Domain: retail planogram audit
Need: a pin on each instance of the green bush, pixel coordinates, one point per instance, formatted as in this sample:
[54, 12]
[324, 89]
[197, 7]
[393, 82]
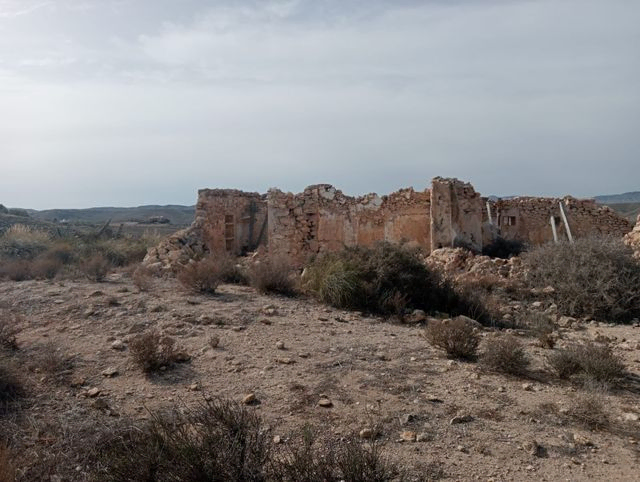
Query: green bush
[595, 277]
[387, 278]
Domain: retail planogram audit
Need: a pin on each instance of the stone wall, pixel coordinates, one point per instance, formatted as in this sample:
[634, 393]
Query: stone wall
[529, 218]
[456, 215]
[323, 219]
[232, 220]
[633, 238]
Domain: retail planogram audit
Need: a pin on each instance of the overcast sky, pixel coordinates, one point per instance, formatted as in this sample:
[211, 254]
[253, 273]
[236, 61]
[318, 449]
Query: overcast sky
[128, 102]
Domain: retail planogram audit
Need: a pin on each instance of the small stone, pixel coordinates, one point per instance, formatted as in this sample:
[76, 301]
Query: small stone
[422, 437]
[366, 433]
[264, 321]
[462, 448]
[277, 439]
[77, 381]
[238, 328]
[325, 403]
[118, 345]
[93, 392]
[530, 468]
[533, 448]
[100, 404]
[527, 387]
[280, 345]
[461, 419]
[110, 372]
[630, 417]
[502, 389]
[580, 439]
[194, 387]
[408, 436]
[407, 419]
[249, 399]
[285, 361]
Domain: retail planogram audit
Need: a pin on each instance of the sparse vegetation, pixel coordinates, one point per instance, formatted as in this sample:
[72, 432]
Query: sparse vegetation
[273, 275]
[219, 440]
[541, 327]
[504, 248]
[505, 354]
[588, 410]
[457, 337]
[151, 351]
[201, 276]
[12, 389]
[387, 279]
[142, 278]
[595, 277]
[9, 329]
[96, 268]
[588, 363]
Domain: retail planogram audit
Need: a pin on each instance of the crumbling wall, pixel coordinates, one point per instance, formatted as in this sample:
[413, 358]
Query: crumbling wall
[231, 220]
[633, 238]
[529, 218]
[323, 219]
[456, 215]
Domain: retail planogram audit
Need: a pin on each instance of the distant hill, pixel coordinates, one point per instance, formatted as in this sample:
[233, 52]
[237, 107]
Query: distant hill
[177, 215]
[626, 198]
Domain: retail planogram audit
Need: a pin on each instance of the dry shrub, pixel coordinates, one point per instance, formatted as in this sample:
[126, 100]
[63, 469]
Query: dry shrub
[457, 337]
[12, 389]
[595, 277]
[273, 275]
[44, 267]
[16, 270]
[96, 267]
[505, 354]
[7, 469]
[201, 276]
[542, 328]
[151, 351]
[50, 359]
[142, 278]
[310, 458]
[386, 278]
[230, 270]
[588, 410]
[219, 440]
[587, 362]
[23, 242]
[504, 248]
[9, 329]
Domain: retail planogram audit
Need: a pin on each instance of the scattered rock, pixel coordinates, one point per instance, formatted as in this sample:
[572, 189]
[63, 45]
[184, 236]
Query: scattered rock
[280, 345]
[276, 439]
[249, 399]
[527, 387]
[325, 403]
[408, 436]
[407, 419]
[461, 419]
[533, 448]
[194, 387]
[366, 433]
[214, 341]
[423, 437]
[93, 392]
[110, 372]
[630, 417]
[118, 345]
[285, 361]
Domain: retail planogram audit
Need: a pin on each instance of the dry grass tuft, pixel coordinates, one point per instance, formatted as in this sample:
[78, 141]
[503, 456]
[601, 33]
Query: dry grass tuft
[457, 337]
[505, 354]
[152, 351]
[590, 363]
[273, 275]
[201, 276]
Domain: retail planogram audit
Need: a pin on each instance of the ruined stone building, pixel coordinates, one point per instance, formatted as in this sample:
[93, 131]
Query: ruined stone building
[322, 218]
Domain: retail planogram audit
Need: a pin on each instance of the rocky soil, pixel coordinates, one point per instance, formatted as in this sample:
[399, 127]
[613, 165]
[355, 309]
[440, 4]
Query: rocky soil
[301, 362]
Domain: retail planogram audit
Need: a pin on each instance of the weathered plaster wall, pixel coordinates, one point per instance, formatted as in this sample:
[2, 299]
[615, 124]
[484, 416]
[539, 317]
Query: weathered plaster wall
[456, 215]
[323, 219]
[529, 218]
